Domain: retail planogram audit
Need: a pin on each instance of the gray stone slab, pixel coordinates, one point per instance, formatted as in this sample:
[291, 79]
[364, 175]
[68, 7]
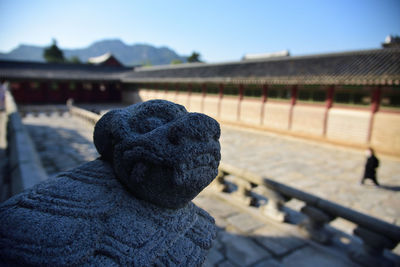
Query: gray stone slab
[244, 222]
[213, 257]
[227, 264]
[277, 241]
[215, 206]
[268, 263]
[309, 256]
[242, 251]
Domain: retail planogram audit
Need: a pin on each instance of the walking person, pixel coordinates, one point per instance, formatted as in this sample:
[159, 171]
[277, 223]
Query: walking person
[370, 167]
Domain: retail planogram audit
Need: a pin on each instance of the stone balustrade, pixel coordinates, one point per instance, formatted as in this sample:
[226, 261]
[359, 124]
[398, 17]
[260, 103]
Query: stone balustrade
[84, 114]
[36, 110]
[24, 168]
[376, 235]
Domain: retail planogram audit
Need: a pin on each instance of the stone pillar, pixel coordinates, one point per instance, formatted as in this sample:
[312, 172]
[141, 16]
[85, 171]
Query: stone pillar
[219, 182]
[243, 192]
[274, 207]
[371, 253]
[313, 226]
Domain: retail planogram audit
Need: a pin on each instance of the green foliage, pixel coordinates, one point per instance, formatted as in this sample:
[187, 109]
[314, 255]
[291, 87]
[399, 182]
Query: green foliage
[75, 60]
[194, 57]
[176, 61]
[53, 53]
[147, 63]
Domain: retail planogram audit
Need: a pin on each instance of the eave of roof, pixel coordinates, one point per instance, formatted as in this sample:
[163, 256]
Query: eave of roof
[379, 66]
[53, 71]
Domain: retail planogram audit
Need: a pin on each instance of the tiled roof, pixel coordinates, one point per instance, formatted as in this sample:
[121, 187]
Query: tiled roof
[380, 66]
[53, 71]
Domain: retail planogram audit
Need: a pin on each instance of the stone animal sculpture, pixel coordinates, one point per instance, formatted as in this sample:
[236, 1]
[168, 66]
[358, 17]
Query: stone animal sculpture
[130, 207]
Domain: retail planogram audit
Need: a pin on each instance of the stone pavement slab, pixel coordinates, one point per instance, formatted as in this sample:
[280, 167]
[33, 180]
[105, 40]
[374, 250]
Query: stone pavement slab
[271, 244]
[309, 256]
[62, 142]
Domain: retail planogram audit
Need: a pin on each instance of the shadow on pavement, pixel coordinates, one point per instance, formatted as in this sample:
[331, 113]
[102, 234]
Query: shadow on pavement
[394, 188]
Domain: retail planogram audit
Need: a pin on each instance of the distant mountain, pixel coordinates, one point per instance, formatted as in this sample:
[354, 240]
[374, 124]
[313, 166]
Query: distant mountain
[128, 55]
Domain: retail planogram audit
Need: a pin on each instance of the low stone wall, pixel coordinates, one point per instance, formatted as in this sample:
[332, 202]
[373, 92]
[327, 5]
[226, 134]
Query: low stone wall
[24, 166]
[338, 125]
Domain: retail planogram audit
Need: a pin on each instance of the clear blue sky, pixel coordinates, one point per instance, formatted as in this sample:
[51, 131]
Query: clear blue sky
[220, 30]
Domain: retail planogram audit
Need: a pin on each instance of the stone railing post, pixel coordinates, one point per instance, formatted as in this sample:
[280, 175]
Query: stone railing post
[313, 226]
[371, 253]
[219, 183]
[243, 192]
[274, 207]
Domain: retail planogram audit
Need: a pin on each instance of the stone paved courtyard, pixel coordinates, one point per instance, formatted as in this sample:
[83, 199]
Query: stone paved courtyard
[62, 142]
[326, 171]
[245, 239]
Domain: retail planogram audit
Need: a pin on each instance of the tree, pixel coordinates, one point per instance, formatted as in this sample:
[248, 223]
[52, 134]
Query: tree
[75, 60]
[176, 61]
[53, 53]
[194, 57]
[147, 63]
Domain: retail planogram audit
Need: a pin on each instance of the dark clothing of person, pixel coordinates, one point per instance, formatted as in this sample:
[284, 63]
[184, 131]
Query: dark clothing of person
[370, 169]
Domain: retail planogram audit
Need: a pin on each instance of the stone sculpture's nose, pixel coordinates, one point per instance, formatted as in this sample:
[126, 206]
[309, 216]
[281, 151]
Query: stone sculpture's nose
[196, 127]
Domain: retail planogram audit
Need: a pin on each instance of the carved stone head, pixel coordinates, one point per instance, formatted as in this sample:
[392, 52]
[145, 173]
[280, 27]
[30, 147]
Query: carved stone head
[162, 153]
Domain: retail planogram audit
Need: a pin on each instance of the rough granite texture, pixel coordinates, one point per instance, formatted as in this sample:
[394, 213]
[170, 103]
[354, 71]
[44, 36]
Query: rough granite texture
[131, 207]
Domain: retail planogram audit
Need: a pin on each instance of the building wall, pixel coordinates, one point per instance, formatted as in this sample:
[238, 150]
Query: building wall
[276, 115]
[229, 107]
[350, 126]
[183, 99]
[196, 101]
[344, 125]
[210, 106]
[250, 111]
[386, 132]
[130, 97]
[308, 119]
[143, 94]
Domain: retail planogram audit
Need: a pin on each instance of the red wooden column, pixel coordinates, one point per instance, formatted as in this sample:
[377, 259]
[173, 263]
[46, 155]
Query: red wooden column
[292, 104]
[221, 95]
[204, 93]
[264, 99]
[375, 104]
[328, 104]
[241, 92]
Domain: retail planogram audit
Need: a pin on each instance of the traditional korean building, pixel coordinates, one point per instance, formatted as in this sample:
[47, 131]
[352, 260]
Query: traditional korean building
[105, 60]
[350, 98]
[43, 83]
